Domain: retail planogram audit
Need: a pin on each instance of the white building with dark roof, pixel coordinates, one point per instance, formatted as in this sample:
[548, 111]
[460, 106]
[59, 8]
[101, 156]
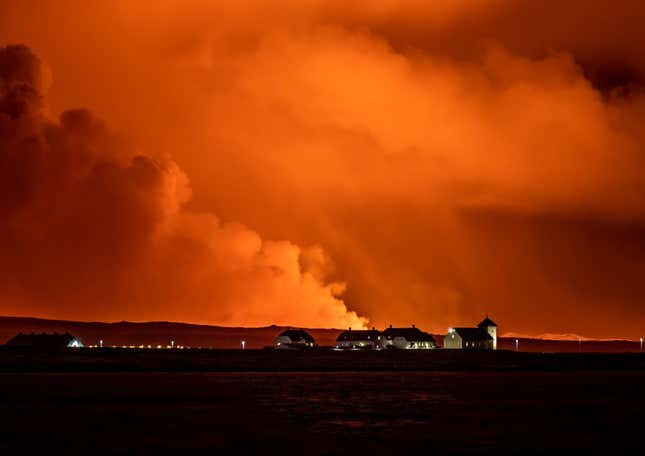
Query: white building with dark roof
[408, 338]
[367, 340]
[483, 337]
[491, 328]
[294, 339]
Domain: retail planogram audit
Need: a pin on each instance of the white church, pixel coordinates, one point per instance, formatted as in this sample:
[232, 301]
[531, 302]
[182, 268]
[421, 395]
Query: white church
[483, 337]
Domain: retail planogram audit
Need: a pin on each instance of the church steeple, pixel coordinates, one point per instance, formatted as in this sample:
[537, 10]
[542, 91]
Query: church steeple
[491, 328]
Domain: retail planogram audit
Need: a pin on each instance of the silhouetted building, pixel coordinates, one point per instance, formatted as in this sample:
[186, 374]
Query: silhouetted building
[45, 340]
[491, 328]
[369, 339]
[483, 337]
[408, 338]
[294, 338]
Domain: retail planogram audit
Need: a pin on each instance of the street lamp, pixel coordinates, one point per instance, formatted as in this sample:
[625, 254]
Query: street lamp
[243, 345]
[641, 345]
[517, 345]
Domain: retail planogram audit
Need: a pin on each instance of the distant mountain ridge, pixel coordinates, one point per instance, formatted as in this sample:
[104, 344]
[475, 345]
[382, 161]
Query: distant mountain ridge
[206, 336]
[561, 337]
[156, 332]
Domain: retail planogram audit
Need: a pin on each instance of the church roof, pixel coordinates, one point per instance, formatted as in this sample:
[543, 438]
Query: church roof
[473, 334]
[486, 322]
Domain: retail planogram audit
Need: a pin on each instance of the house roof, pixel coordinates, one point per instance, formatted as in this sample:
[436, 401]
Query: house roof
[473, 334]
[410, 334]
[486, 322]
[297, 335]
[43, 340]
[358, 335]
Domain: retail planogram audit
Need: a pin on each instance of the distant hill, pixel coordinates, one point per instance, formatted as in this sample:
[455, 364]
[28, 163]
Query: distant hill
[205, 336]
[156, 333]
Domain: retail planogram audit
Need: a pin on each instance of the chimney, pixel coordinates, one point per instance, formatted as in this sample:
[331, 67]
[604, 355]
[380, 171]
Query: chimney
[413, 325]
[390, 326]
[350, 328]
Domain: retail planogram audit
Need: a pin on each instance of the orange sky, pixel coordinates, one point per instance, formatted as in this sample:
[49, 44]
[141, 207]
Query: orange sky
[318, 164]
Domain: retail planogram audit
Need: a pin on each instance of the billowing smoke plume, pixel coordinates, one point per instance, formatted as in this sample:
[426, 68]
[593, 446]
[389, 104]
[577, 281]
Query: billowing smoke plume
[93, 231]
[453, 158]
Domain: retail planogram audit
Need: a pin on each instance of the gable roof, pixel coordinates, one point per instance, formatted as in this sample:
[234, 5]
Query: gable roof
[473, 334]
[350, 335]
[43, 340]
[486, 322]
[296, 335]
[410, 334]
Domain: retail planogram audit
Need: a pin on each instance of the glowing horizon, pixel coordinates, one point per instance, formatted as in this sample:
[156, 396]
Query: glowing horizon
[316, 164]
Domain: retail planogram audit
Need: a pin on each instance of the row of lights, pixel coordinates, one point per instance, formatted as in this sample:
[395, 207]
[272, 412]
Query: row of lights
[156, 347]
[243, 343]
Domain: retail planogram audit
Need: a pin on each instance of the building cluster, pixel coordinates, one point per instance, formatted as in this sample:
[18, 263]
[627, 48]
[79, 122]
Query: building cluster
[482, 337]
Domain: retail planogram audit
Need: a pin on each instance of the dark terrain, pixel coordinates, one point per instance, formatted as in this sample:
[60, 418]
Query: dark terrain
[478, 412]
[14, 359]
[155, 333]
[318, 401]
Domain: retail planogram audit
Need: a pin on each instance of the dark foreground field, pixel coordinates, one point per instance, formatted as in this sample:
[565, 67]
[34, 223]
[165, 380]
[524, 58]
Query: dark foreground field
[319, 360]
[444, 412]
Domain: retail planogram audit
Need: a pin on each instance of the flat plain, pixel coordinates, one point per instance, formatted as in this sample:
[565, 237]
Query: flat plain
[371, 412]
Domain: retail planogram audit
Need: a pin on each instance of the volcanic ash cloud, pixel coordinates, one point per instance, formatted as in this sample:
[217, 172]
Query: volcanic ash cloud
[90, 230]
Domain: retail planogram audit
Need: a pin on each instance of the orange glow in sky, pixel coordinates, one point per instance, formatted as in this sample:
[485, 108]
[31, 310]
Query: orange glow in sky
[311, 163]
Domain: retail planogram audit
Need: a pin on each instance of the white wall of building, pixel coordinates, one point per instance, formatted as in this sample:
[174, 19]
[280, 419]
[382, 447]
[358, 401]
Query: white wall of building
[452, 340]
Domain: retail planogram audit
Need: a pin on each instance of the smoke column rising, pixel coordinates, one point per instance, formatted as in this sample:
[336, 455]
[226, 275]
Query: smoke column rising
[96, 232]
[451, 158]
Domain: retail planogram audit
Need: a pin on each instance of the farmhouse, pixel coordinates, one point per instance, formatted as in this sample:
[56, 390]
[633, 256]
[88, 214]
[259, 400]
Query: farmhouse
[45, 341]
[370, 339]
[483, 337]
[294, 338]
[408, 338]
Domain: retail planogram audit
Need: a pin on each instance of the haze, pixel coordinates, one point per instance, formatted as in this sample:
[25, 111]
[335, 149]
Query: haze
[315, 164]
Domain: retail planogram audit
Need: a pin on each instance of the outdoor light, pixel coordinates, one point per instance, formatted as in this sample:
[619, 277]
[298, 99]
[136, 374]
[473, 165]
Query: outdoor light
[243, 345]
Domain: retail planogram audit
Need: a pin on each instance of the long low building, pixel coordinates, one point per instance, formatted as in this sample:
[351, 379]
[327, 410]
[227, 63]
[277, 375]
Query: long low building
[397, 338]
[408, 338]
[361, 339]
